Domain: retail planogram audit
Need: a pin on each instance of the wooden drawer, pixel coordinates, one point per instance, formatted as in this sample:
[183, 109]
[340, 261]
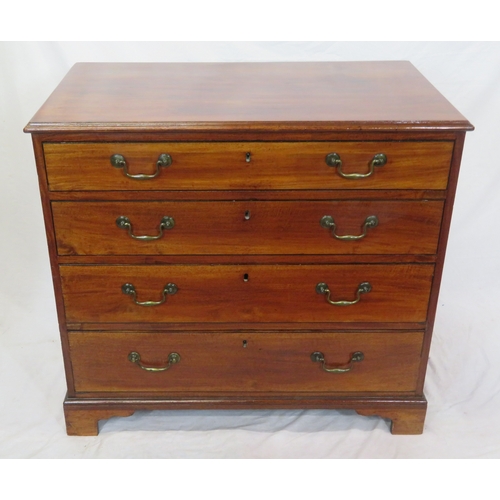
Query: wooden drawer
[246, 293]
[246, 227]
[224, 165]
[245, 362]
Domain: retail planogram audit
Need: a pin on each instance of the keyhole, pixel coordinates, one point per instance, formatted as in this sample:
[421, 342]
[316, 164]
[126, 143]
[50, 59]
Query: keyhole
[247, 215]
[248, 157]
[245, 277]
[244, 343]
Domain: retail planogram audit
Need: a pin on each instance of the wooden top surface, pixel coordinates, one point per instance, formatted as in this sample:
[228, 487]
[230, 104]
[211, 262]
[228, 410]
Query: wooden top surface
[332, 96]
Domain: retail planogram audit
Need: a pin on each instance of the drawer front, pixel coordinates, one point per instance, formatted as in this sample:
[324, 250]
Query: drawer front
[246, 293]
[224, 166]
[241, 362]
[246, 227]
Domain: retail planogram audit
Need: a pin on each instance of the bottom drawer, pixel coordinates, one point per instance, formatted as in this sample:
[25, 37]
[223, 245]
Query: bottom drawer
[245, 362]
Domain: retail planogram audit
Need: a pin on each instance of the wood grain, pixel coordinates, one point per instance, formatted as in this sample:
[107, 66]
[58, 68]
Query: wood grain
[270, 362]
[273, 293]
[248, 259]
[84, 422]
[443, 240]
[246, 228]
[290, 195]
[88, 408]
[222, 96]
[54, 267]
[290, 327]
[223, 166]
[404, 421]
[282, 132]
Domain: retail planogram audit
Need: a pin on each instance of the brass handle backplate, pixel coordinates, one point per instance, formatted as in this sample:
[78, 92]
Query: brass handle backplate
[328, 223]
[173, 358]
[123, 222]
[318, 357]
[129, 289]
[322, 288]
[333, 160]
[119, 161]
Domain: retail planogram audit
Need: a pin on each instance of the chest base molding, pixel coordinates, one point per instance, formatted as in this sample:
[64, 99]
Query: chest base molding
[406, 414]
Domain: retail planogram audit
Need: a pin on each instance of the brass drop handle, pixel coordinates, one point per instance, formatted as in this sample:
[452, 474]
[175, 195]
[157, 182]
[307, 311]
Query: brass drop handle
[319, 357]
[328, 223]
[129, 289]
[333, 160]
[123, 222]
[173, 358]
[322, 288]
[119, 161]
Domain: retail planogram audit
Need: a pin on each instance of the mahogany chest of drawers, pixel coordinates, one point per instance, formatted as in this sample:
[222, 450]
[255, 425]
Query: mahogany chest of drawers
[250, 235]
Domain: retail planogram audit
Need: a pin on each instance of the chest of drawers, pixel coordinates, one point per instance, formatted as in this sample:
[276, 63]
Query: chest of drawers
[246, 235]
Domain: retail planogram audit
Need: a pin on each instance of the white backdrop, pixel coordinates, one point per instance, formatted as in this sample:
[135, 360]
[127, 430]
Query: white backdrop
[463, 380]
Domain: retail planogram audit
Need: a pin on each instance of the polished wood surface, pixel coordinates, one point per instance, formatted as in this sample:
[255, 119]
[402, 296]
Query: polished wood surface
[223, 166]
[247, 259]
[404, 421]
[84, 412]
[443, 241]
[262, 195]
[272, 293]
[245, 362]
[82, 422]
[248, 278]
[246, 227]
[330, 95]
[52, 251]
[240, 133]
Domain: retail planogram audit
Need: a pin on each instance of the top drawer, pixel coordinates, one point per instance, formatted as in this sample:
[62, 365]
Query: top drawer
[246, 165]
